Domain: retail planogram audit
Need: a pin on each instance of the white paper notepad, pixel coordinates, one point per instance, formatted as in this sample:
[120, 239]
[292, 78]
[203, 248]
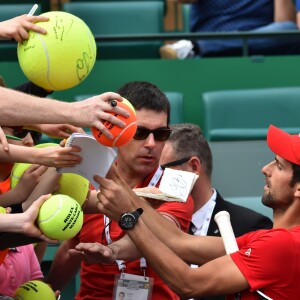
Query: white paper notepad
[175, 185]
[96, 158]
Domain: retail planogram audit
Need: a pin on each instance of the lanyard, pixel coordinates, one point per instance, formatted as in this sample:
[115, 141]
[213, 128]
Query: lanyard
[121, 264]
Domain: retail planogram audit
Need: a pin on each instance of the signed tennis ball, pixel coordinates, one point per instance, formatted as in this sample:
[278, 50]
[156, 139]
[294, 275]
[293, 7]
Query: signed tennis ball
[60, 217]
[63, 57]
[121, 136]
[34, 290]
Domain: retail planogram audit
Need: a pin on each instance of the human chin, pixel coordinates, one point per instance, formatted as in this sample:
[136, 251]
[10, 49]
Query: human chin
[148, 166]
[267, 199]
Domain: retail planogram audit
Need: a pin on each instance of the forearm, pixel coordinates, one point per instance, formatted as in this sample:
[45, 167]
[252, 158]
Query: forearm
[11, 197]
[90, 206]
[173, 271]
[47, 185]
[11, 223]
[46, 111]
[18, 153]
[125, 249]
[200, 251]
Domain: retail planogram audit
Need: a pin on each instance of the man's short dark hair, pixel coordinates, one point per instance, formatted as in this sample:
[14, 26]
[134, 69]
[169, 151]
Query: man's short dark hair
[145, 95]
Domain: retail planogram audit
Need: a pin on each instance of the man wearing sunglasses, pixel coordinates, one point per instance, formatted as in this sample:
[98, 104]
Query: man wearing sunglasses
[138, 164]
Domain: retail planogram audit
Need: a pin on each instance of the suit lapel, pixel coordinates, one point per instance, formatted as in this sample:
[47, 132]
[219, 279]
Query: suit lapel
[213, 229]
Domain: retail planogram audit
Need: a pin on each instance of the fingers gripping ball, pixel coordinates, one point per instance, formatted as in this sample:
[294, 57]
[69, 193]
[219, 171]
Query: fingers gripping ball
[121, 136]
[34, 290]
[60, 217]
[63, 57]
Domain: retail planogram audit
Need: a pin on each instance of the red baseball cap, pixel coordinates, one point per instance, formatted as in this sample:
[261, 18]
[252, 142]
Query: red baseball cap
[284, 144]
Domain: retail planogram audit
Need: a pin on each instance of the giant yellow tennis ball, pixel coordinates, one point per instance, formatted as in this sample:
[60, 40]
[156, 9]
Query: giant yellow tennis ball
[60, 217]
[34, 290]
[70, 184]
[121, 136]
[63, 57]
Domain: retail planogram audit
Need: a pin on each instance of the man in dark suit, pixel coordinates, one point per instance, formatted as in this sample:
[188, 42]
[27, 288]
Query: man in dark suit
[188, 150]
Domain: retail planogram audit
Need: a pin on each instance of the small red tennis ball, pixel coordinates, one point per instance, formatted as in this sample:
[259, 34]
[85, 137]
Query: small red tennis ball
[121, 136]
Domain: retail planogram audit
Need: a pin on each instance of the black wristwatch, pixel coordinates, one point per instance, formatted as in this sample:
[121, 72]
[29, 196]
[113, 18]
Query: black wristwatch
[129, 219]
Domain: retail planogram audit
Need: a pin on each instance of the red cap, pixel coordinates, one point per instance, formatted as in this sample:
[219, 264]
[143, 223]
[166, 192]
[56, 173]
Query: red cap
[284, 144]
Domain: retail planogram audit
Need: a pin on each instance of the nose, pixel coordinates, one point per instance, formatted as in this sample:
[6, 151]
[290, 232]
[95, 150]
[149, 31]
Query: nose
[266, 170]
[28, 141]
[150, 141]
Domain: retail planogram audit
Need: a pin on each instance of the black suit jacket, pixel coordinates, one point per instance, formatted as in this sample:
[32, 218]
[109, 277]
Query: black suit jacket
[242, 219]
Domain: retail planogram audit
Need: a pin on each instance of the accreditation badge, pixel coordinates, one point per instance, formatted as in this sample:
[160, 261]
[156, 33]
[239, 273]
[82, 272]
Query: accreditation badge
[132, 287]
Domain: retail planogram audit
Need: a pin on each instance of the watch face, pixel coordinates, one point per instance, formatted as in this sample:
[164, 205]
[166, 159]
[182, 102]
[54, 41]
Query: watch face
[127, 221]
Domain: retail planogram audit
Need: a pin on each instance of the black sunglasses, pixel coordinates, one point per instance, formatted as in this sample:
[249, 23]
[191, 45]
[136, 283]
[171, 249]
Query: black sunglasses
[35, 135]
[175, 163]
[160, 134]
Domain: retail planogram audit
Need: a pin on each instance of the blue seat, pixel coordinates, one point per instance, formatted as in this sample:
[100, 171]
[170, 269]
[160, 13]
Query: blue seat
[235, 122]
[122, 18]
[176, 103]
[185, 14]
[246, 114]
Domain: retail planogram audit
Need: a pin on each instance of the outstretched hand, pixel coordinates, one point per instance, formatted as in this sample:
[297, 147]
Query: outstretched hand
[93, 111]
[93, 253]
[28, 218]
[56, 156]
[62, 131]
[18, 27]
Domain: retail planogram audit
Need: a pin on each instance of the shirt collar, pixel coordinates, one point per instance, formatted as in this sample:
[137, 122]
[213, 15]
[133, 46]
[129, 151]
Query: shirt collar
[199, 215]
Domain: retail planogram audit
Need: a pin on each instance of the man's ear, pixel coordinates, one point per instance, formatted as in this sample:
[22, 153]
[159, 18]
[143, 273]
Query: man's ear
[195, 165]
[297, 192]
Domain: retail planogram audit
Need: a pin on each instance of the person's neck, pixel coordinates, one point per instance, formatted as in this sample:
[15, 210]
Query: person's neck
[201, 193]
[287, 219]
